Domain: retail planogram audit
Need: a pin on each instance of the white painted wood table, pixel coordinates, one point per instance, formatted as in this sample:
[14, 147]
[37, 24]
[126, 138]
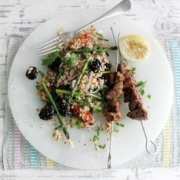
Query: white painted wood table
[21, 17]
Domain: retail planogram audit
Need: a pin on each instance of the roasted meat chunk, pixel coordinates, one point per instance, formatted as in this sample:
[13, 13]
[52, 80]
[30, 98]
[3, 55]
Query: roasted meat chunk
[118, 77]
[112, 94]
[113, 105]
[129, 83]
[128, 74]
[138, 114]
[118, 86]
[113, 116]
[131, 94]
[122, 67]
[136, 104]
[111, 78]
[115, 78]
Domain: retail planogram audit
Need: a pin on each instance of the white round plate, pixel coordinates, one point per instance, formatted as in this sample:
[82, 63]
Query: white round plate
[130, 140]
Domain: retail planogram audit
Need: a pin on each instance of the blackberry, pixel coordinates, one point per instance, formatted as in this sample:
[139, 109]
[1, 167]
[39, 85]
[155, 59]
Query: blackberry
[95, 65]
[55, 64]
[64, 108]
[47, 112]
[31, 73]
[108, 66]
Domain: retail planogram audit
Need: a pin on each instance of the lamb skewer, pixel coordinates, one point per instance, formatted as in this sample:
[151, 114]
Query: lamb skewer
[126, 82]
[133, 96]
[113, 114]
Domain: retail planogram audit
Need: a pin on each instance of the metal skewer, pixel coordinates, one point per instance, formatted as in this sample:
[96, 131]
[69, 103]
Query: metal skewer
[110, 146]
[155, 148]
[111, 134]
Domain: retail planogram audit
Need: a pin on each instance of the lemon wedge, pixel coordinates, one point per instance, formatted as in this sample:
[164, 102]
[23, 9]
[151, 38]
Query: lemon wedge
[134, 48]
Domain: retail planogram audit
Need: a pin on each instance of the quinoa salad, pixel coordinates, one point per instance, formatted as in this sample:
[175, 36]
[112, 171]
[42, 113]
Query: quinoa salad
[74, 86]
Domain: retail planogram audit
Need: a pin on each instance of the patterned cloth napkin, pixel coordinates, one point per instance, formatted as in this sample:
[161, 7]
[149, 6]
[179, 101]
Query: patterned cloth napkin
[18, 153]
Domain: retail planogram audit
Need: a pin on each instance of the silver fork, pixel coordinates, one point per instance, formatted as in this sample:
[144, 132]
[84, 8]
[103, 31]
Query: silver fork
[51, 45]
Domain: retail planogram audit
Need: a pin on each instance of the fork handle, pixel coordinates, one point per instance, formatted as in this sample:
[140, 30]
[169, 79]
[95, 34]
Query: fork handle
[123, 6]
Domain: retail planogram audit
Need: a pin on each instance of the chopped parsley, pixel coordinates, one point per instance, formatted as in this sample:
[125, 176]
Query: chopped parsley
[142, 91]
[96, 138]
[116, 129]
[141, 84]
[50, 59]
[133, 69]
[41, 73]
[119, 124]
[102, 146]
[37, 85]
[71, 61]
[149, 96]
[77, 124]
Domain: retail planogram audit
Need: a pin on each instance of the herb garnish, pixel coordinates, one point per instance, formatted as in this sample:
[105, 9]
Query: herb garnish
[71, 61]
[141, 84]
[149, 96]
[50, 59]
[102, 147]
[41, 73]
[37, 85]
[96, 138]
[142, 91]
[119, 124]
[116, 129]
[133, 69]
[77, 123]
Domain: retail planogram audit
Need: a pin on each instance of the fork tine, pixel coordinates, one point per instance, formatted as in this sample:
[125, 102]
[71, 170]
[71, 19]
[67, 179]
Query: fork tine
[47, 42]
[49, 45]
[45, 50]
[48, 52]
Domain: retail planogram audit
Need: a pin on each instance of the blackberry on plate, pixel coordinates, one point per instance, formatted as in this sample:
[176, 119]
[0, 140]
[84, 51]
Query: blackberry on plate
[95, 65]
[108, 66]
[64, 108]
[47, 112]
[31, 73]
[55, 64]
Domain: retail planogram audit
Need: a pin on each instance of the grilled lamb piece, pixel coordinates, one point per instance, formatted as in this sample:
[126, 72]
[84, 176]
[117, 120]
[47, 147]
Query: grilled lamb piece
[111, 78]
[131, 94]
[128, 74]
[115, 78]
[136, 104]
[113, 105]
[112, 94]
[118, 77]
[129, 83]
[118, 86]
[122, 67]
[111, 116]
[138, 114]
